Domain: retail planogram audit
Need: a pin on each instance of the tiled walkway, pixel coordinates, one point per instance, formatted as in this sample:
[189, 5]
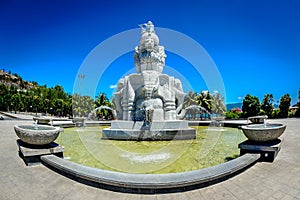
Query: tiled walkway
[277, 180]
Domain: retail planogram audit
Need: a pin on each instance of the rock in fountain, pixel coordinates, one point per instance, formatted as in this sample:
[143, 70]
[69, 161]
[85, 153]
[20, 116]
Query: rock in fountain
[148, 103]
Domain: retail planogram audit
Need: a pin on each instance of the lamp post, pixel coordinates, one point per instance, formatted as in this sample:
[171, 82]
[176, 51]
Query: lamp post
[81, 77]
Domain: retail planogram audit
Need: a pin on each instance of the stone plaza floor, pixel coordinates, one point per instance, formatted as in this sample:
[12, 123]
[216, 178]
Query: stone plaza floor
[277, 180]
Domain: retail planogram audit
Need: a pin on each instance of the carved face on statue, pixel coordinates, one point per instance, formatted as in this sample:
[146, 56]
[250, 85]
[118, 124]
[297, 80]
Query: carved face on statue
[149, 44]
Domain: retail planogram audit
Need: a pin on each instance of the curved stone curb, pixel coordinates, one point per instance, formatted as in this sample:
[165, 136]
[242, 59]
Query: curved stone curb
[119, 181]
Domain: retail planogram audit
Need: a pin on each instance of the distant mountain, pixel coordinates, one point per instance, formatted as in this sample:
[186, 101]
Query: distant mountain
[229, 106]
[9, 79]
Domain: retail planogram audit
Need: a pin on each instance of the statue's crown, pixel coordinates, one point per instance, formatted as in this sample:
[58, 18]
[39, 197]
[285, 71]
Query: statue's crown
[147, 27]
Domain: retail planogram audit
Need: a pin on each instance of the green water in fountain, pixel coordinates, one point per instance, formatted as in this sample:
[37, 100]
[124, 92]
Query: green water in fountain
[212, 146]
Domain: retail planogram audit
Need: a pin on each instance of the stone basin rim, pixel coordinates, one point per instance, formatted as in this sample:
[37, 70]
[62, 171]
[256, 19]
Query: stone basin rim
[44, 134]
[149, 183]
[258, 116]
[262, 128]
[51, 128]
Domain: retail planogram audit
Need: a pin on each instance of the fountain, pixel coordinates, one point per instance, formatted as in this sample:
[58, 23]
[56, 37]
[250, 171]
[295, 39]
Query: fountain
[42, 120]
[93, 114]
[258, 119]
[37, 134]
[262, 137]
[194, 112]
[263, 132]
[146, 102]
[37, 140]
[148, 107]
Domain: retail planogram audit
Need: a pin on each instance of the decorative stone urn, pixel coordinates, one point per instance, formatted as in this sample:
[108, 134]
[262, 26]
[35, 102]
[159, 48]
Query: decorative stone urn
[263, 132]
[37, 134]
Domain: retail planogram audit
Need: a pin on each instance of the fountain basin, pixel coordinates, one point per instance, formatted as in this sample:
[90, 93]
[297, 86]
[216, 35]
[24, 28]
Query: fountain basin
[258, 119]
[37, 135]
[263, 133]
[42, 120]
[157, 130]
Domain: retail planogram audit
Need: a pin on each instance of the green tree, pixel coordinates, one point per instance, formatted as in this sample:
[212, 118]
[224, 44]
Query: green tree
[58, 107]
[4, 97]
[102, 100]
[205, 100]
[218, 106]
[297, 114]
[285, 103]
[190, 99]
[24, 101]
[68, 106]
[59, 92]
[82, 105]
[267, 104]
[251, 105]
[16, 102]
[36, 103]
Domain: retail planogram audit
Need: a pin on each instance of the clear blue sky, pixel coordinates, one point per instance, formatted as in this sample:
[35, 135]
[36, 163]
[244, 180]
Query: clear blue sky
[255, 44]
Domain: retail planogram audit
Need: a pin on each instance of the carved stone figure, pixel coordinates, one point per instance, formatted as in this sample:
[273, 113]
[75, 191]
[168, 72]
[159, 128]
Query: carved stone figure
[149, 103]
[149, 85]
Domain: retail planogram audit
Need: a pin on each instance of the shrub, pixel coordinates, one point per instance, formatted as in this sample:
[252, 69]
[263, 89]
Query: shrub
[234, 113]
[231, 115]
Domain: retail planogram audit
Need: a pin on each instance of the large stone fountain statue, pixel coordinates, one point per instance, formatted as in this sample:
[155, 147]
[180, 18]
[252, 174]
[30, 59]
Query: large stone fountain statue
[148, 103]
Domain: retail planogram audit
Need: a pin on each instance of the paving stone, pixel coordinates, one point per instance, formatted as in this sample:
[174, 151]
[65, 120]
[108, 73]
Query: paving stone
[149, 197]
[288, 197]
[194, 194]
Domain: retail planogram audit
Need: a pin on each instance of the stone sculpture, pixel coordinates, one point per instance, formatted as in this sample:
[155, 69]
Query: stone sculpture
[148, 103]
[149, 88]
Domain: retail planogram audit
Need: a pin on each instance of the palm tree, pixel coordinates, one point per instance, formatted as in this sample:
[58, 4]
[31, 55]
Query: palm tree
[102, 100]
[82, 105]
[205, 100]
[190, 99]
[218, 106]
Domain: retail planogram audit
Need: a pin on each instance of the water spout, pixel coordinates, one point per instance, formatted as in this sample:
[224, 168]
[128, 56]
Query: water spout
[35, 125]
[265, 123]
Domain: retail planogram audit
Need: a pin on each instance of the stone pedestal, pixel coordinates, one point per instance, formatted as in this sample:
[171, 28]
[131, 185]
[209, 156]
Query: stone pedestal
[268, 150]
[31, 153]
[157, 130]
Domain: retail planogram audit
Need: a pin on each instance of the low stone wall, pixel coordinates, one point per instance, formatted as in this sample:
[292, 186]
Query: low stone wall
[149, 183]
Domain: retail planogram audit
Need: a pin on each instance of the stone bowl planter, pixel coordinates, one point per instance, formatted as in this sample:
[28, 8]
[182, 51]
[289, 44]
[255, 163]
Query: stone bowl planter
[258, 119]
[263, 133]
[37, 135]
